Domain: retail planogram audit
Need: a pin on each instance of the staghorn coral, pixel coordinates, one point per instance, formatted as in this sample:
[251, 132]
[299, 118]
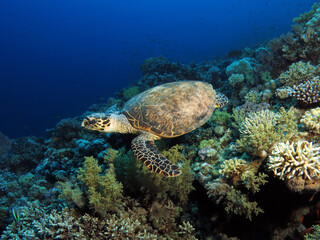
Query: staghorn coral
[103, 191]
[186, 230]
[312, 120]
[295, 159]
[307, 92]
[34, 222]
[263, 129]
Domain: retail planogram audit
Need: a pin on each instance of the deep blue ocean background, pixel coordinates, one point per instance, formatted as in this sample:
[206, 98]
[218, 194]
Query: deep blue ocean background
[59, 57]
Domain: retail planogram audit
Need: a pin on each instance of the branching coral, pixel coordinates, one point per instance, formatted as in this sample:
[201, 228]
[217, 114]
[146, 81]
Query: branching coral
[36, 223]
[239, 204]
[308, 92]
[104, 192]
[298, 73]
[242, 172]
[295, 159]
[234, 200]
[312, 120]
[263, 129]
[236, 174]
[233, 168]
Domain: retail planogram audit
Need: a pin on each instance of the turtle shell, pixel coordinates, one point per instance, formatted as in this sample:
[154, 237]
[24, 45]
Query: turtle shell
[172, 109]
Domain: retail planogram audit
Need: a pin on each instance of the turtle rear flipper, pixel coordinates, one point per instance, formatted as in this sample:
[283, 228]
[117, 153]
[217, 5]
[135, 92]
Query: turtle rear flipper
[144, 149]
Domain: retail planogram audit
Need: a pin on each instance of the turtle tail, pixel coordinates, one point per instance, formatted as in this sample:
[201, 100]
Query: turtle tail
[144, 149]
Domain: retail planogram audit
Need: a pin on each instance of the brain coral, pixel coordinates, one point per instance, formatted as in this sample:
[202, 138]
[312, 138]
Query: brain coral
[312, 120]
[295, 159]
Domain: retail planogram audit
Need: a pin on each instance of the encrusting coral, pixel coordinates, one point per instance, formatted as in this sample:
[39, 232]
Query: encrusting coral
[295, 159]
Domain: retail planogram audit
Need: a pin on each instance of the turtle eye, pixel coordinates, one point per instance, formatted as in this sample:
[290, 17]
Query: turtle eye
[92, 121]
[106, 122]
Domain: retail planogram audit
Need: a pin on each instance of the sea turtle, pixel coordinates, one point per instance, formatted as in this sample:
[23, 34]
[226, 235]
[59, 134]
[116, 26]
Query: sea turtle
[165, 111]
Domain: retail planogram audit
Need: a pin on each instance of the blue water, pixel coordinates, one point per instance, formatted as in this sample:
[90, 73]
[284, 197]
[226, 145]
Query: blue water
[59, 57]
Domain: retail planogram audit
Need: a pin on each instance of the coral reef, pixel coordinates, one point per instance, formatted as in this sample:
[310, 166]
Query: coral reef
[308, 92]
[5, 144]
[103, 191]
[299, 159]
[262, 148]
[261, 130]
[312, 120]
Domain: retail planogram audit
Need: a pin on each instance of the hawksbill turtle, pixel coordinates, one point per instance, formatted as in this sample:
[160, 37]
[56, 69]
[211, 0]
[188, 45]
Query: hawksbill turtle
[165, 111]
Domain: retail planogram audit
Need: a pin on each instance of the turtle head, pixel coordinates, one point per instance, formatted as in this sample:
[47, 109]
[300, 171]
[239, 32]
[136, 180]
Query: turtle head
[101, 122]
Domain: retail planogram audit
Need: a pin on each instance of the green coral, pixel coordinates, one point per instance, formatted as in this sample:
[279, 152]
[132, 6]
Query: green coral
[241, 172]
[239, 204]
[110, 156]
[130, 92]
[37, 223]
[314, 234]
[266, 77]
[154, 186]
[239, 115]
[307, 16]
[263, 129]
[252, 96]
[103, 191]
[71, 193]
[236, 79]
[220, 117]
[233, 168]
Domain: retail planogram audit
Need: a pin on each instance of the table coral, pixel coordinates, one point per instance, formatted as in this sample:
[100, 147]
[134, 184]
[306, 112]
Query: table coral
[295, 159]
[312, 120]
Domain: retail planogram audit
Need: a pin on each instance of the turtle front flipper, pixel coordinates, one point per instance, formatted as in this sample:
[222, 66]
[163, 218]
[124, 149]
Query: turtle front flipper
[144, 149]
